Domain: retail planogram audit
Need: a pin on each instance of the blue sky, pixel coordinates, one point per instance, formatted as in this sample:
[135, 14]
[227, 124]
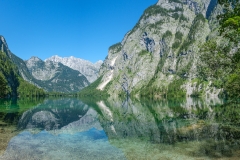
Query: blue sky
[80, 28]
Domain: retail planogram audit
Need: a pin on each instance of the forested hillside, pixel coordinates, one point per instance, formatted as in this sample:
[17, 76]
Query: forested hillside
[11, 84]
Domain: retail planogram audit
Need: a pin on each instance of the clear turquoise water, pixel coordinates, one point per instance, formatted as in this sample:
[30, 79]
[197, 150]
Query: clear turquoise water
[70, 128]
[91, 144]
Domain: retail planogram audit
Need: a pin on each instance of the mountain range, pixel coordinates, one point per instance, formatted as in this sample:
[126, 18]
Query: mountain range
[87, 68]
[54, 74]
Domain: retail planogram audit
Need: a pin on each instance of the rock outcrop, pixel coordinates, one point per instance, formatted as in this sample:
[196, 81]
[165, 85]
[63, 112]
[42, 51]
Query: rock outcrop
[54, 76]
[161, 48]
[87, 68]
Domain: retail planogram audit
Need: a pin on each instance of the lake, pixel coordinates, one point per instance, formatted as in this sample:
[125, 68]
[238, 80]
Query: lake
[71, 128]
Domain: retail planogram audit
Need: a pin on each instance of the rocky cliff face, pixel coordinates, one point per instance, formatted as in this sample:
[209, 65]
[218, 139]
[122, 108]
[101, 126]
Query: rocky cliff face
[3, 45]
[161, 48]
[54, 76]
[88, 69]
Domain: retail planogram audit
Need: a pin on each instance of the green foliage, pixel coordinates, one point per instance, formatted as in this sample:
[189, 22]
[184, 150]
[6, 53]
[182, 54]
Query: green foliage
[232, 86]
[185, 69]
[10, 82]
[144, 52]
[217, 83]
[92, 90]
[60, 94]
[178, 40]
[214, 61]
[116, 47]
[167, 34]
[175, 16]
[178, 9]
[176, 1]
[175, 90]
[9, 75]
[182, 18]
[221, 66]
[26, 89]
[4, 88]
[191, 38]
[154, 10]
[228, 113]
[151, 92]
[198, 22]
[176, 44]
[178, 35]
[230, 20]
[195, 93]
[156, 24]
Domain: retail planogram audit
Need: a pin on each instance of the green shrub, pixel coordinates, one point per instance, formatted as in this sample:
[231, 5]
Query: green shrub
[179, 35]
[156, 24]
[175, 90]
[232, 86]
[26, 89]
[176, 44]
[116, 47]
[144, 52]
[191, 38]
[195, 93]
[4, 88]
[172, 91]
[167, 34]
[176, 1]
[182, 18]
[92, 90]
[154, 10]
[175, 16]
[178, 40]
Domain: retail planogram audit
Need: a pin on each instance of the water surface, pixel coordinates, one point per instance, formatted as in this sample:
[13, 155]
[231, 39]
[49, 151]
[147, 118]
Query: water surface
[70, 128]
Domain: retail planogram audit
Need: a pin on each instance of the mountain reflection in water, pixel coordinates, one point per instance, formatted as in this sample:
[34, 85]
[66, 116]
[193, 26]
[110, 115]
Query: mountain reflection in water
[69, 128]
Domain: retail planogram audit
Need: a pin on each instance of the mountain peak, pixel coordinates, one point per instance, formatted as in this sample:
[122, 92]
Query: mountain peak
[35, 58]
[87, 68]
[194, 5]
[3, 45]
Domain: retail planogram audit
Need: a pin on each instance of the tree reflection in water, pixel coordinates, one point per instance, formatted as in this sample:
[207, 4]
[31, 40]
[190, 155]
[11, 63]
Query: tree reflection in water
[164, 129]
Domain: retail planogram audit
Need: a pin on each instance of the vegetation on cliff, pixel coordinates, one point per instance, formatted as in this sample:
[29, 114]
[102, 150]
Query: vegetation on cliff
[11, 84]
[92, 90]
[221, 58]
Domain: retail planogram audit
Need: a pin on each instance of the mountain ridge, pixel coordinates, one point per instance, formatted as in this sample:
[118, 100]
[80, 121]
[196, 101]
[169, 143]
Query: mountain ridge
[161, 53]
[60, 79]
[88, 69]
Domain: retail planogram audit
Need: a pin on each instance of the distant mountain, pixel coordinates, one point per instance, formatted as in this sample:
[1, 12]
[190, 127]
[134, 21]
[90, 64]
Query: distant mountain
[54, 76]
[49, 75]
[88, 69]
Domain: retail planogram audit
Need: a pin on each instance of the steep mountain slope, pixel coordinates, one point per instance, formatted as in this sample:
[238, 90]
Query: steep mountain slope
[55, 76]
[88, 69]
[51, 76]
[11, 83]
[161, 52]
